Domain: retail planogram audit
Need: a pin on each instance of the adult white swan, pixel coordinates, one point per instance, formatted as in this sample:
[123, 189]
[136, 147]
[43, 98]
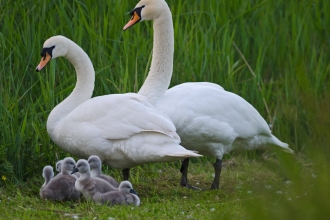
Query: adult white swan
[208, 119]
[124, 130]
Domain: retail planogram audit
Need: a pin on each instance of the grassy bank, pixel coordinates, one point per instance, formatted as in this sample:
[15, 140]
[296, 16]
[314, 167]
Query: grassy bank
[275, 54]
[268, 187]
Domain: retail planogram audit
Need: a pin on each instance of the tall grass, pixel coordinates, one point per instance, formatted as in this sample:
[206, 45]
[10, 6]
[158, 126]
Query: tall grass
[275, 54]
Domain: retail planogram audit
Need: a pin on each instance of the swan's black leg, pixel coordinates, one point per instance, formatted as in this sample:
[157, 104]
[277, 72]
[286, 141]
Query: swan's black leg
[184, 172]
[217, 171]
[126, 173]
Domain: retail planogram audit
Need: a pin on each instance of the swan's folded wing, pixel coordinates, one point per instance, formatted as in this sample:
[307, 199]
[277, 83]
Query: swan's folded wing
[120, 116]
[206, 102]
[194, 86]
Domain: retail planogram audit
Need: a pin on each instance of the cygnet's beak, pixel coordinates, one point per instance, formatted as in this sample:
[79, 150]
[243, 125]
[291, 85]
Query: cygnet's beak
[133, 191]
[75, 170]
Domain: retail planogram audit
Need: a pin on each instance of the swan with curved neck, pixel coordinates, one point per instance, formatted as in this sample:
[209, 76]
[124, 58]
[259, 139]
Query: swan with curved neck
[124, 130]
[61, 46]
[208, 119]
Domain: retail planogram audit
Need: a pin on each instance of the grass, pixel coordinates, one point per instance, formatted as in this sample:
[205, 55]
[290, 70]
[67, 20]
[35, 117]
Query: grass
[269, 187]
[246, 189]
[275, 54]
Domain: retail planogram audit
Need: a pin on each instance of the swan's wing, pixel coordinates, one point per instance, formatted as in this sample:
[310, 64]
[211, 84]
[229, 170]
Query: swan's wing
[194, 85]
[207, 105]
[119, 116]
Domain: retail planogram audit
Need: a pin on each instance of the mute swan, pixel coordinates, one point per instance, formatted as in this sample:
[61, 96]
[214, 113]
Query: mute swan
[47, 174]
[125, 195]
[88, 185]
[62, 187]
[125, 130]
[208, 119]
[96, 166]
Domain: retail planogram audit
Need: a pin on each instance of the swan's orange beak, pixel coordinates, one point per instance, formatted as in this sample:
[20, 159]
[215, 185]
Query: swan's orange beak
[134, 19]
[43, 62]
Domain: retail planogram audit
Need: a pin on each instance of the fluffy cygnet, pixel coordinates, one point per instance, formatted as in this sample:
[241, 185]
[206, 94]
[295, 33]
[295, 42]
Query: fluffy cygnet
[124, 195]
[58, 168]
[88, 185]
[96, 166]
[47, 174]
[61, 187]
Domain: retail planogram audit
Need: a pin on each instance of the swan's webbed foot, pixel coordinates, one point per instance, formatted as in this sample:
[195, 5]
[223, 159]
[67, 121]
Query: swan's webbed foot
[191, 187]
[214, 186]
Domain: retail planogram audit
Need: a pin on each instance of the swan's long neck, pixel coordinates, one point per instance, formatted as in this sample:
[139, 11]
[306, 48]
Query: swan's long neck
[160, 73]
[66, 172]
[47, 179]
[96, 171]
[84, 176]
[82, 91]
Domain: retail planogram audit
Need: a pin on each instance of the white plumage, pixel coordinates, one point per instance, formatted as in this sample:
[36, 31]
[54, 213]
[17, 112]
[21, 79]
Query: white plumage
[208, 119]
[124, 130]
[209, 116]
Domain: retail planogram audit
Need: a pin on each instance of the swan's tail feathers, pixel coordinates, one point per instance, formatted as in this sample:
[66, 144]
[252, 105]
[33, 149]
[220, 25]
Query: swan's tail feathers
[289, 150]
[186, 154]
[284, 146]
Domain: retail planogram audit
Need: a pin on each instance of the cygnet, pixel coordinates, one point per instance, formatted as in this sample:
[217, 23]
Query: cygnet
[47, 174]
[96, 166]
[88, 185]
[62, 187]
[124, 195]
[58, 168]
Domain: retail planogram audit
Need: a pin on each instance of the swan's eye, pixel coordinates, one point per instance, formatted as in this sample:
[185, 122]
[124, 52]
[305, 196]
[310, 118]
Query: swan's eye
[47, 50]
[137, 10]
